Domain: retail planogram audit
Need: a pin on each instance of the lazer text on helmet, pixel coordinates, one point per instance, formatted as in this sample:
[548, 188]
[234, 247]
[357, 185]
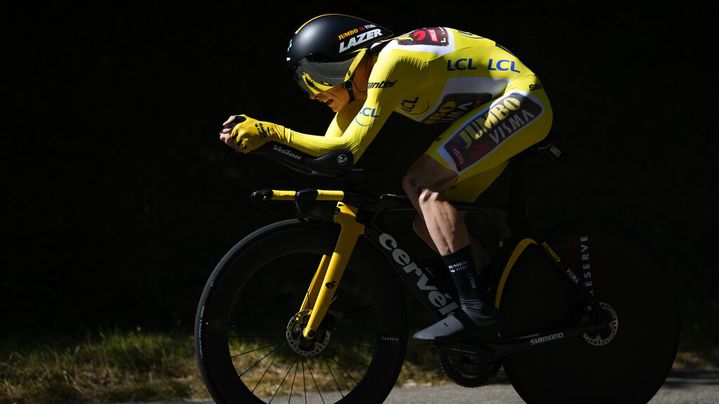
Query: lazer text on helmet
[361, 38]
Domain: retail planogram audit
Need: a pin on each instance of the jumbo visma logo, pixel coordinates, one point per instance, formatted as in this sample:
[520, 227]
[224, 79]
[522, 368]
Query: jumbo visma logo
[366, 116]
[487, 129]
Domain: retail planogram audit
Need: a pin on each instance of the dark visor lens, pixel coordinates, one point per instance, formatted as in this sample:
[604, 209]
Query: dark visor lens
[316, 77]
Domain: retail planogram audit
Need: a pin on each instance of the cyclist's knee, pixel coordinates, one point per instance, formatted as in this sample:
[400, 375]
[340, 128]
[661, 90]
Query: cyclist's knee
[418, 189]
[428, 196]
[426, 177]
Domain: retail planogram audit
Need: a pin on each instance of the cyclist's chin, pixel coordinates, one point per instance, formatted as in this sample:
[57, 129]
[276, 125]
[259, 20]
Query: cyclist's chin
[334, 105]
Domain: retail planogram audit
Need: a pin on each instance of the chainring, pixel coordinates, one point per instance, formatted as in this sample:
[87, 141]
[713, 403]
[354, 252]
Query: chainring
[466, 370]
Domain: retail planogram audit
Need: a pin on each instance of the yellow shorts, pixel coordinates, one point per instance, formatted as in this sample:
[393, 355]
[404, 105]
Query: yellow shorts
[478, 145]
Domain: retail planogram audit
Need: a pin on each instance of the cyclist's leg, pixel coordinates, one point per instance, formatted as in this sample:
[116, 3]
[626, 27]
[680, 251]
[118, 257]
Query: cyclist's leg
[424, 184]
[472, 186]
[438, 222]
[476, 148]
[479, 254]
[469, 190]
[470, 155]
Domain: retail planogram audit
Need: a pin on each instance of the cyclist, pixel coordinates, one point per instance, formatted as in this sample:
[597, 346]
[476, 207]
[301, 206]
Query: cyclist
[494, 105]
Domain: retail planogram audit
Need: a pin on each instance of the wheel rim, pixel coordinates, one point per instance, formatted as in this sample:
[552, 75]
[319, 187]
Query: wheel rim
[241, 328]
[625, 363]
[270, 358]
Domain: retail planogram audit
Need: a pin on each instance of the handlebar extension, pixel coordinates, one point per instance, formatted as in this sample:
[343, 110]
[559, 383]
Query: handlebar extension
[337, 163]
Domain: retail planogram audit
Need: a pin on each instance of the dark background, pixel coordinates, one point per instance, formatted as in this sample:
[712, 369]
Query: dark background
[119, 197]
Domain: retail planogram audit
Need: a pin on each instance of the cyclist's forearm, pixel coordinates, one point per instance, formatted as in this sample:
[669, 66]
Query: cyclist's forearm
[311, 144]
[320, 145]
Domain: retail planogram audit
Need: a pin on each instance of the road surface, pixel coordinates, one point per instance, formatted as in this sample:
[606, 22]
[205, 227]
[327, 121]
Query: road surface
[694, 388]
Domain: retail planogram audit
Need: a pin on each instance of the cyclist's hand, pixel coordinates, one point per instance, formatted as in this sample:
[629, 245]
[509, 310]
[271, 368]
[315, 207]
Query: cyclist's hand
[226, 133]
[243, 133]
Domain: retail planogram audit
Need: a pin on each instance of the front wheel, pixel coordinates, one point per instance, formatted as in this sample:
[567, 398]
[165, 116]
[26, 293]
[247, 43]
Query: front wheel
[248, 328]
[628, 361]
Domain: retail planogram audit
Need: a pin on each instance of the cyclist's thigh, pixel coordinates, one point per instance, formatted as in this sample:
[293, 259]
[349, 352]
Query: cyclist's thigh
[469, 188]
[477, 145]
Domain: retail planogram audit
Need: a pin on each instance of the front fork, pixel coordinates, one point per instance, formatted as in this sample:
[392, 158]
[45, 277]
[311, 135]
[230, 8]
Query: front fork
[329, 272]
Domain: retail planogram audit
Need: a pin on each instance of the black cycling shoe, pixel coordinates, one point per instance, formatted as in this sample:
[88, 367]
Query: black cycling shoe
[460, 324]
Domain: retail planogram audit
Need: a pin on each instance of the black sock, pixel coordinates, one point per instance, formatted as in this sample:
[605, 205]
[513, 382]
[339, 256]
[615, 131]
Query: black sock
[461, 269]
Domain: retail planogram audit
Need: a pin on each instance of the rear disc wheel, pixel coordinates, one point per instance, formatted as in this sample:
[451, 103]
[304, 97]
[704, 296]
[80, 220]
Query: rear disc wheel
[629, 360]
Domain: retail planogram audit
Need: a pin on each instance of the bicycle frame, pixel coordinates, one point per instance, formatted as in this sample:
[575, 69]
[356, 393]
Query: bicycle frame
[356, 215]
[540, 307]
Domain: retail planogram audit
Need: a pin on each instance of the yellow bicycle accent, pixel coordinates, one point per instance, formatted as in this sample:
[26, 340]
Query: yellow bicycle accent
[329, 195]
[518, 250]
[279, 195]
[331, 268]
[322, 195]
[314, 290]
[331, 272]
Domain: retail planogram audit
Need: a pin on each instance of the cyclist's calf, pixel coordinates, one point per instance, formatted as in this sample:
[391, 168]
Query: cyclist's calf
[480, 254]
[438, 222]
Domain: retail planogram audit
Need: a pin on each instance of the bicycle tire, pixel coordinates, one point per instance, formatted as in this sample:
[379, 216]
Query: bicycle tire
[290, 250]
[628, 367]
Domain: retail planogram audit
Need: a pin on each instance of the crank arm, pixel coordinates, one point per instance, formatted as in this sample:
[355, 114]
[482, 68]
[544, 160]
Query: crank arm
[488, 352]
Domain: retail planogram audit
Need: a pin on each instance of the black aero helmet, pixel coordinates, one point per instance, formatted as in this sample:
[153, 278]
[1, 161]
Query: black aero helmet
[325, 50]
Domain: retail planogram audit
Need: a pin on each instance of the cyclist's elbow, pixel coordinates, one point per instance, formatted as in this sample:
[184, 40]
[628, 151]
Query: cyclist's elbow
[355, 147]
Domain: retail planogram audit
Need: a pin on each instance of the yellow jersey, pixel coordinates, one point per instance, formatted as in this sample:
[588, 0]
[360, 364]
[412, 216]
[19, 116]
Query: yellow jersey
[495, 104]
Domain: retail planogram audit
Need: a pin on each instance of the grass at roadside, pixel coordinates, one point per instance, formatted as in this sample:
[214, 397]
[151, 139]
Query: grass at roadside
[143, 366]
[130, 366]
[113, 366]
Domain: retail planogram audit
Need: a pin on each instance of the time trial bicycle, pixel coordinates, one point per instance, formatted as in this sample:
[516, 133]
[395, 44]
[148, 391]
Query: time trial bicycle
[312, 309]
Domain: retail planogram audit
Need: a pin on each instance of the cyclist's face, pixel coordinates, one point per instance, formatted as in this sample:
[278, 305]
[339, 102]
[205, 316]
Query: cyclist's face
[335, 98]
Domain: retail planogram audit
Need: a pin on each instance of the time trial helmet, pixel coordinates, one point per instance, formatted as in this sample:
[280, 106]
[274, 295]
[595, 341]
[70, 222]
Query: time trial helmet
[326, 50]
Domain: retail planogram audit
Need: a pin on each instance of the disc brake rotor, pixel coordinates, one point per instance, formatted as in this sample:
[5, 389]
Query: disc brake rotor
[606, 336]
[301, 345]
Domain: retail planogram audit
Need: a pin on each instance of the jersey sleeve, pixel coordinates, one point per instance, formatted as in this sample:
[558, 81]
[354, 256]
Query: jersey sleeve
[391, 78]
[342, 119]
